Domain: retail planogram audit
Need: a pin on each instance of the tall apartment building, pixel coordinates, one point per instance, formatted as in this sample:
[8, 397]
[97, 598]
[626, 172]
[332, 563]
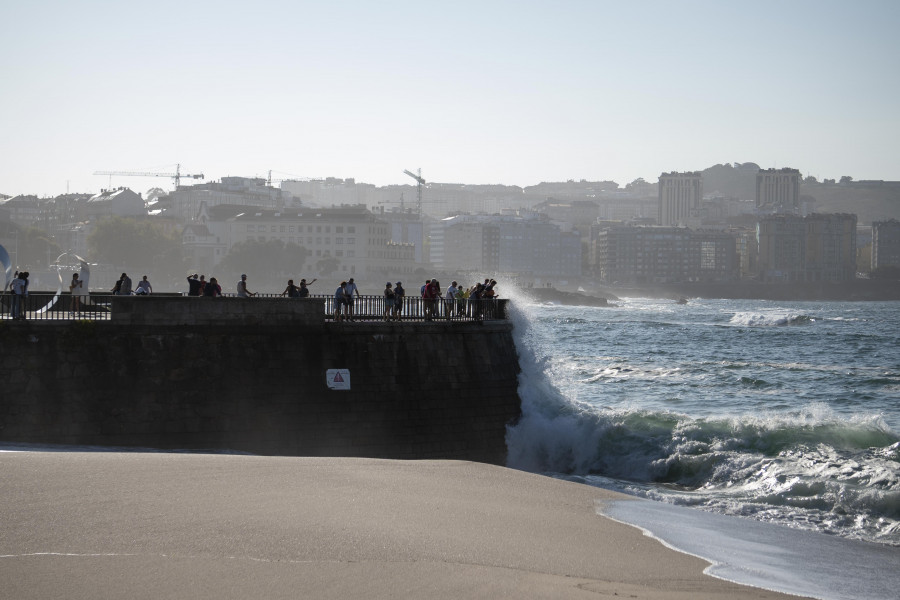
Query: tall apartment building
[816, 248]
[679, 198]
[778, 191]
[629, 254]
[886, 244]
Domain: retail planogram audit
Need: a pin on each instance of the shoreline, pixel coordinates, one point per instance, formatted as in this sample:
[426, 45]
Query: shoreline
[767, 555]
[108, 525]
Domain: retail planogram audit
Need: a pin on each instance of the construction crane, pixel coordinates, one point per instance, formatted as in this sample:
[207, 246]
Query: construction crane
[419, 183]
[177, 175]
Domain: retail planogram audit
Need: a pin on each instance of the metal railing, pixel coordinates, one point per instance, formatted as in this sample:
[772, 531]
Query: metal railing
[374, 308]
[47, 306]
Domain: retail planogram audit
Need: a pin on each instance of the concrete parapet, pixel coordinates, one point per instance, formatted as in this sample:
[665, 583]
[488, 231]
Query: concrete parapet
[183, 310]
[260, 381]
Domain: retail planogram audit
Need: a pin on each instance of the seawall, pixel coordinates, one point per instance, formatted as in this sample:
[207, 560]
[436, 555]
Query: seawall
[267, 376]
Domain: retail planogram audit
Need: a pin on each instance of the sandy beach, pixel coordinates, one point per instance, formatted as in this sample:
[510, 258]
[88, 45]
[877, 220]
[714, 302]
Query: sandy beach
[147, 525]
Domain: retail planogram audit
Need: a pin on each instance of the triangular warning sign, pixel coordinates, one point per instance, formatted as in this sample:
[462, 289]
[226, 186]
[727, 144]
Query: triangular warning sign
[338, 378]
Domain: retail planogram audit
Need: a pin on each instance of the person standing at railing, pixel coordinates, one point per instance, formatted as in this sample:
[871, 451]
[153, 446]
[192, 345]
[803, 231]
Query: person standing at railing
[242, 290]
[348, 297]
[475, 301]
[388, 301]
[291, 291]
[212, 288]
[399, 294]
[19, 293]
[194, 287]
[76, 288]
[450, 299]
[304, 291]
[430, 297]
[339, 295]
[462, 296]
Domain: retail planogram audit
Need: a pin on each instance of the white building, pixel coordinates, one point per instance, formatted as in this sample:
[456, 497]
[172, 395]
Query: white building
[778, 191]
[679, 199]
[358, 242]
[120, 202]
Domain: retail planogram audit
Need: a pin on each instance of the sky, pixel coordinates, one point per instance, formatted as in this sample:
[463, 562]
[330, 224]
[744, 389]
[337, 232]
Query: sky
[489, 92]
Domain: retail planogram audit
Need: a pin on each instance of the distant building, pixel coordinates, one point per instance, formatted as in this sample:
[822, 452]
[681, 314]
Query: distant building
[679, 198]
[627, 254]
[334, 191]
[778, 191]
[353, 236]
[184, 203]
[816, 248]
[576, 214]
[524, 244]
[886, 244]
[406, 227]
[623, 206]
[830, 247]
[24, 211]
[120, 202]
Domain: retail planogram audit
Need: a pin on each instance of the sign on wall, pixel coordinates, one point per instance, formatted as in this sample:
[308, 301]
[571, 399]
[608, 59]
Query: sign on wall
[338, 379]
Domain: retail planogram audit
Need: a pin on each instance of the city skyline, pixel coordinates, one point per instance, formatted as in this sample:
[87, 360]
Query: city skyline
[475, 93]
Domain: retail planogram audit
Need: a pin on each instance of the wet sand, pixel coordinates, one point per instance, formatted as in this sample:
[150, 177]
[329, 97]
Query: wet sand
[145, 525]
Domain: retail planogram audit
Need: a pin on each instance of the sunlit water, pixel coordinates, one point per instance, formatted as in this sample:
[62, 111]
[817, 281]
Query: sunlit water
[785, 412]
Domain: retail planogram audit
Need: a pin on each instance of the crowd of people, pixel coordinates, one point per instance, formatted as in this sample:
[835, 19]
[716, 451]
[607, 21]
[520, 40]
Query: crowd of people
[455, 301]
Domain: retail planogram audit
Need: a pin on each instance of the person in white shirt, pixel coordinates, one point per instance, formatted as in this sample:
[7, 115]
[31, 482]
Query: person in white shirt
[450, 298]
[144, 287]
[242, 290]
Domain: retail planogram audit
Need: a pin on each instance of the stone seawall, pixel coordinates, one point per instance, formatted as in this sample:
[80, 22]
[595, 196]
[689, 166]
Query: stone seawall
[259, 377]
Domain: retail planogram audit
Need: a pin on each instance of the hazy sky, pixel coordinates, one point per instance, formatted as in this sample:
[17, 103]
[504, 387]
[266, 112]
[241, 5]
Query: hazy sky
[512, 92]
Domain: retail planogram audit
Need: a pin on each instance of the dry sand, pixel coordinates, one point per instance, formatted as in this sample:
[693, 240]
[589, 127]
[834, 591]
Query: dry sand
[143, 525]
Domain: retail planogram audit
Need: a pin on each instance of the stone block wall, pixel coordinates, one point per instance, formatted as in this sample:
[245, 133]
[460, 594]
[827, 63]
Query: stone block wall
[256, 382]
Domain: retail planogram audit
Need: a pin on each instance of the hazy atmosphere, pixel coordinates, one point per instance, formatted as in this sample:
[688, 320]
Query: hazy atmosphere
[470, 92]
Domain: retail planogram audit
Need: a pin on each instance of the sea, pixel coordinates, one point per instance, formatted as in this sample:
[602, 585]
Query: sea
[763, 436]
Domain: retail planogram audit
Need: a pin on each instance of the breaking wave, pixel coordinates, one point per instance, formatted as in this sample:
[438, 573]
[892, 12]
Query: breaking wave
[770, 319]
[806, 468]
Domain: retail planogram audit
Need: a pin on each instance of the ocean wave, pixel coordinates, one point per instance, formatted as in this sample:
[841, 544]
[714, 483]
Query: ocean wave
[830, 474]
[774, 319]
[805, 467]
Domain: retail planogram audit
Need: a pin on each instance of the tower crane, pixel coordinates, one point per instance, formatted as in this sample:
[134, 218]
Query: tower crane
[419, 183]
[177, 175]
